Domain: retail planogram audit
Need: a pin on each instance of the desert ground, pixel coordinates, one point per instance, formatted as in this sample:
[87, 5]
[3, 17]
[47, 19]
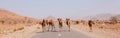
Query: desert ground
[100, 31]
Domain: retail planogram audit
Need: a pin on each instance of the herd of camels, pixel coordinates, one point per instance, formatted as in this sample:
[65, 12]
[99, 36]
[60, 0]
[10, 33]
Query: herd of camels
[47, 24]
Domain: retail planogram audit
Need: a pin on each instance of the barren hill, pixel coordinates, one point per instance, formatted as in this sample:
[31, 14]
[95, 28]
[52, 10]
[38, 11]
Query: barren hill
[9, 21]
[10, 18]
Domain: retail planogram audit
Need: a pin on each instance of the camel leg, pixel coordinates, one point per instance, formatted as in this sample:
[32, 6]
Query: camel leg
[60, 28]
[52, 27]
[90, 29]
[68, 27]
[43, 28]
[48, 27]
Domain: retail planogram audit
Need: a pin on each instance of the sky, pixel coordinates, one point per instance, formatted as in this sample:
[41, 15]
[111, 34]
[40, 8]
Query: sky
[61, 8]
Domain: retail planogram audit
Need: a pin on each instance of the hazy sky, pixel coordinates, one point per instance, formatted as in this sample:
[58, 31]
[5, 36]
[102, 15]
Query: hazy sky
[61, 8]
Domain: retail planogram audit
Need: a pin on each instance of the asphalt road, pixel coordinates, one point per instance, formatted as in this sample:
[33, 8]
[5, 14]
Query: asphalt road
[63, 34]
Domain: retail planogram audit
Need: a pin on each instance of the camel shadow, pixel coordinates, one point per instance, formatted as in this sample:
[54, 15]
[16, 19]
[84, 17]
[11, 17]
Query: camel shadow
[40, 32]
[53, 31]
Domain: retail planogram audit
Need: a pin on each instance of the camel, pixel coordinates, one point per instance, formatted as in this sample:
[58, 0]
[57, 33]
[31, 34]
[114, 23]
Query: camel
[90, 23]
[60, 24]
[43, 25]
[51, 25]
[68, 23]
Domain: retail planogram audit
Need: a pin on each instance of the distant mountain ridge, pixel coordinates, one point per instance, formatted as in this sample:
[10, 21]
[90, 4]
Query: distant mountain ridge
[102, 17]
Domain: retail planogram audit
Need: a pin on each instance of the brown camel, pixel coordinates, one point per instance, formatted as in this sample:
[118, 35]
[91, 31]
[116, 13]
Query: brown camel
[43, 25]
[60, 24]
[90, 23]
[68, 23]
[51, 25]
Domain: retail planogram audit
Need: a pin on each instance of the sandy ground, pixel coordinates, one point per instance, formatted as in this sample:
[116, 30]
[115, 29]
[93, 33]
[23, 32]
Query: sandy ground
[27, 32]
[96, 33]
[30, 31]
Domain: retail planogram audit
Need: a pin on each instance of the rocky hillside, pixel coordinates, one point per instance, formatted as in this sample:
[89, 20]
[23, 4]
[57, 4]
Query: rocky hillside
[8, 17]
[10, 21]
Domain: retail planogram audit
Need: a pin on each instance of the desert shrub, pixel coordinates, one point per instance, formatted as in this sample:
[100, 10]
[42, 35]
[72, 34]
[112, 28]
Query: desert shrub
[38, 27]
[21, 28]
[2, 21]
[113, 20]
[77, 22]
[101, 27]
[15, 30]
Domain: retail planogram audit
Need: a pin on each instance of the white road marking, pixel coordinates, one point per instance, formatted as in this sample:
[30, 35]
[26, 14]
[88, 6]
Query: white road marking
[59, 34]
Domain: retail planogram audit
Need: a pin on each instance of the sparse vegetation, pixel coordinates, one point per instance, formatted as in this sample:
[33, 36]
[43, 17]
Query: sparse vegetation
[38, 27]
[21, 28]
[77, 22]
[15, 30]
[113, 20]
[2, 21]
[18, 29]
[101, 27]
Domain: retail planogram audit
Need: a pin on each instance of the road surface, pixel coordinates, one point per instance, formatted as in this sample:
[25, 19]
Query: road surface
[63, 34]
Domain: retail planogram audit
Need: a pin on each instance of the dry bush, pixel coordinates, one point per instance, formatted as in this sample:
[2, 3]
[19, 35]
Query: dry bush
[18, 29]
[38, 27]
[2, 21]
[77, 22]
[113, 20]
